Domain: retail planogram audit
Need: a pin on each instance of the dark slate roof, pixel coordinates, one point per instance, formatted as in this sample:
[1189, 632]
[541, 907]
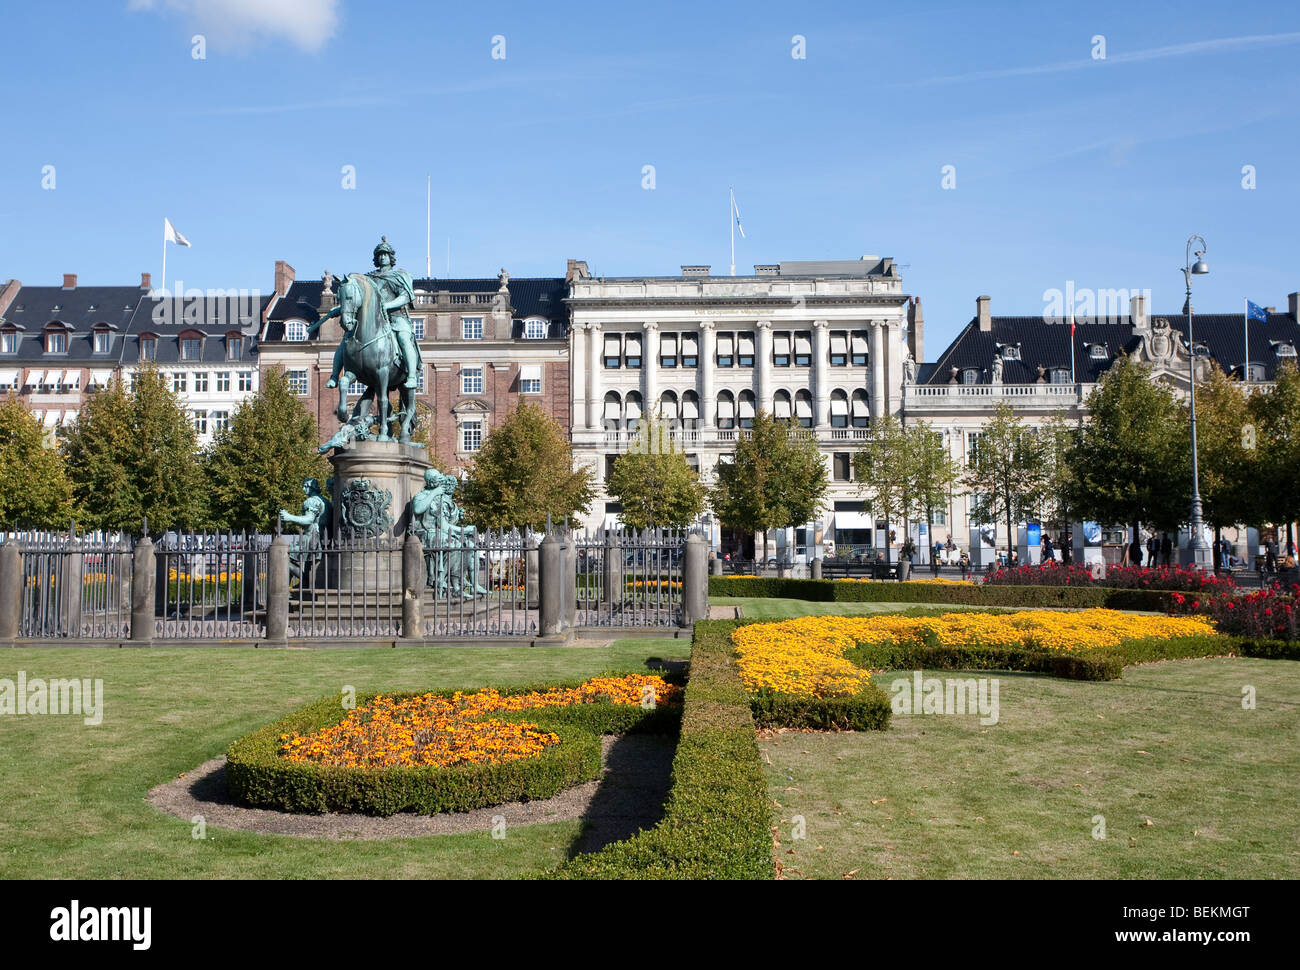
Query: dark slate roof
[529, 296]
[1048, 344]
[79, 309]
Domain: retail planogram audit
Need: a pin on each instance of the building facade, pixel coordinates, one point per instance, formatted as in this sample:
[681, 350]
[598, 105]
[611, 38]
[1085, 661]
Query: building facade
[826, 344]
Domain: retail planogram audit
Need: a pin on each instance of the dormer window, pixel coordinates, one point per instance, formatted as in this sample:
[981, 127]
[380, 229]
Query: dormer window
[535, 328]
[191, 348]
[1060, 375]
[56, 342]
[9, 342]
[1098, 352]
[295, 331]
[148, 348]
[970, 376]
[234, 346]
[102, 340]
[1284, 349]
[1010, 351]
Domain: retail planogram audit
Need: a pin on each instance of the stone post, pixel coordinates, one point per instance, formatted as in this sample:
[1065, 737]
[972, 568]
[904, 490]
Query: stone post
[11, 590]
[413, 576]
[817, 568]
[531, 571]
[550, 586]
[571, 577]
[71, 590]
[695, 581]
[122, 571]
[144, 576]
[613, 572]
[277, 590]
[715, 567]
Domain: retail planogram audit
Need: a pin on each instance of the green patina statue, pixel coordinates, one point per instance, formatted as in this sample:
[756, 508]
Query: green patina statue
[314, 520]
[378, 347]
[450, 545]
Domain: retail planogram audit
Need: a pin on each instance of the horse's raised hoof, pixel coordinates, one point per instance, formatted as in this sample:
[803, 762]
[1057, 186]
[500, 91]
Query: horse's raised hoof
[332, 382]
[341, 412]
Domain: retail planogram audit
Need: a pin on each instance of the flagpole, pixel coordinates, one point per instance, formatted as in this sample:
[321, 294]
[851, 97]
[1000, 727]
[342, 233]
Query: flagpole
[1072, 377]
[731, 221]
[164, 268]
[428, 238]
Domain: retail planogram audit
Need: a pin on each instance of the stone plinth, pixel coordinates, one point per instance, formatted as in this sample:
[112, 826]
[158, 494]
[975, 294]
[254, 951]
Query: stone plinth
[388, 466]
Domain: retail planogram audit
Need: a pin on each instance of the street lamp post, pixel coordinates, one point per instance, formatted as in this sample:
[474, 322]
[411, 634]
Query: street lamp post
[1198, 551]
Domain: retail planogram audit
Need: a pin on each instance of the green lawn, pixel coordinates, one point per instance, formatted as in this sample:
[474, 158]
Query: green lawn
[944, 797]
[75, 795]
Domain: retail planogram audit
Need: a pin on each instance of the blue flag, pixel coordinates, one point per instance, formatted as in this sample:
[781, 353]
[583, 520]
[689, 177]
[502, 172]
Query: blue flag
[1256, 312]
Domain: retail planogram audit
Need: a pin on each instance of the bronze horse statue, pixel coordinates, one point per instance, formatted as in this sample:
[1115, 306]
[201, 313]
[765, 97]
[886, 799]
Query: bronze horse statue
[370, 355]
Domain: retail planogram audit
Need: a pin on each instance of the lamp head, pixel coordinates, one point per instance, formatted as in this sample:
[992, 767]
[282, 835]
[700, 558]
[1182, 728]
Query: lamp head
[1200, 267]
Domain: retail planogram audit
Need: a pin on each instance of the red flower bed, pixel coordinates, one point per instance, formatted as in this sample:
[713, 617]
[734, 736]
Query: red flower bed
[1048, 574]
[1265, 615]
[1181, 578]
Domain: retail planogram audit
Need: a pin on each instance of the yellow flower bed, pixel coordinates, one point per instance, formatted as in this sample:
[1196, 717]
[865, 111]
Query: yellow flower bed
[806, 656]
[442, 731]
[936, 581]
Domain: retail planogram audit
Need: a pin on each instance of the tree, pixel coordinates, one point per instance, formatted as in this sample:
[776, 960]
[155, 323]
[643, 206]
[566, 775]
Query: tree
[654, 483]
[1132, 460]
[932, 471]
[776, 479]
[1276, 418]
[524, 473]
[1007, 473]
[1227, 467]
[34, 487]
[426, 434]
[134, 454]
[884, 469]
[256, 464]
[1056, 438]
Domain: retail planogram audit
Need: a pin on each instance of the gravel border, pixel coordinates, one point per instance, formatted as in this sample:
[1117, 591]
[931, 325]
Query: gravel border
[628, 797]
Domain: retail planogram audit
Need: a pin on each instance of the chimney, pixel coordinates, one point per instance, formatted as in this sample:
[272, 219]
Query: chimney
[1139, 313]
[146, 281]
[284, 277]
[69, 281]
[696, 269]
[982, 311]
[1292, 306]
[916, 324]
[576, 270]
[8, 293]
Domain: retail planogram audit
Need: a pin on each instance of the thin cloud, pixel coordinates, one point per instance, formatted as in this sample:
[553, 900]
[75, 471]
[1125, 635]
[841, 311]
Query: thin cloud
[1218, 45]
[240, 24]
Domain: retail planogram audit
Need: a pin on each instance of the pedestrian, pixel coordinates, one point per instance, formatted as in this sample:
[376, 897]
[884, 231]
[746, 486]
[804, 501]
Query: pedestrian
[1166, 549]
[1152, 548]
[963, 563]
[1049, 551]
[1270, 556]
[934, 558]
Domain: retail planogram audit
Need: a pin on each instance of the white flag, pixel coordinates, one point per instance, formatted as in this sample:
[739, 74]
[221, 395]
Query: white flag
[736, 209]
[171, 235]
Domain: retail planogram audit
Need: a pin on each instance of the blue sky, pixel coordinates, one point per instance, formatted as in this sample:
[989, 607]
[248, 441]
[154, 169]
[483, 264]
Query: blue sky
[1067, 168]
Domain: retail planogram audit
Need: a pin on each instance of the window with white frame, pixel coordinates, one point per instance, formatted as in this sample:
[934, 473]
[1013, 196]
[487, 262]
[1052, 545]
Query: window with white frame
[103, 341]
[148, 348]
[56, 342]
[536, 328]
[191, 348]
[419, 381]
[298, 382]
[223, 381]
[471, 379]
[356, 388]
[245, 380]
[234, 348]
[9, 342]
[220, 420]
[180, 382]
[613, 350]
[417, 327]
[295, 331]
[1060, 375]
[471, 435]
[201, 422]
[530, 379]
[201, 382]
[471, 328]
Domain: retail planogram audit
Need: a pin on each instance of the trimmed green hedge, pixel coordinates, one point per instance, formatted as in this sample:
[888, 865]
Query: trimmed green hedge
[962, 594]
[258, 775]
[1271, 649]
[717, 821]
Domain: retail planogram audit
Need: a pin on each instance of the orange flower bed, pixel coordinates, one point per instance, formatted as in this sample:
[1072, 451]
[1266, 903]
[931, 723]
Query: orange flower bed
[433, 730]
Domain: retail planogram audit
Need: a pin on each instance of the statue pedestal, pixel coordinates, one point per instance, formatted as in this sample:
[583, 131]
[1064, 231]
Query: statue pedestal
[389, 468]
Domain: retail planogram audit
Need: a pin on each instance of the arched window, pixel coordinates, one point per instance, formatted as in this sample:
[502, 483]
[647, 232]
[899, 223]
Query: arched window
[726, 410]
[861, 410]
[613, 410]
[668, 406]
[690, 416]
[781, 407]
[803, 408]
[632, 409]
[839, 409]
[295, 331]
[745, 409]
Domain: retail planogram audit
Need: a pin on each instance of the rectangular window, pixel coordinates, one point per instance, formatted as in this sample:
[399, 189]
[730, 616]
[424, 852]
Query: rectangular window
[471, 435]
[745, 352]
[220, 420]
[471, 380]
[841, 466]
[632, 353]
[245, 380]
[148, 348]
[613, 351]
[780, 350]
[972, 446]
[471, 328]
[803, 350]
[103, 341]
[190, 348]
[609, 467]
[9, 343]
[234, 348]
[668, 350]
[201, 382]
[839, 349]
[180, 382]
[223, 382]
[859, 348]
[56, 343]
[356, 389]
[690, 350]
[726, 350]
[201, 422]
[530, 379]
[417, 327]
[297, 382]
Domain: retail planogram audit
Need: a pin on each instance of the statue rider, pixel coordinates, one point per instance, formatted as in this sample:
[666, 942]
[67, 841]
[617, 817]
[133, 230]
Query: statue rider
[396, 292]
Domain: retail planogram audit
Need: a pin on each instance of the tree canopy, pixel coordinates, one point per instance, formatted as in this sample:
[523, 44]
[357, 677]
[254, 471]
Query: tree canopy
[1007, 472]
[34, 489]
[654, 483]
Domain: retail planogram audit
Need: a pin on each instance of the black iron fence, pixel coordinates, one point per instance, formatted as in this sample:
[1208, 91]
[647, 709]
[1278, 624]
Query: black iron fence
[74, 585]
[210, 586]
[629, 578]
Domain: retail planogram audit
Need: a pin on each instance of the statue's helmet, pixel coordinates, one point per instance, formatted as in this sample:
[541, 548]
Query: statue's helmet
[384, 247]
[310, 486]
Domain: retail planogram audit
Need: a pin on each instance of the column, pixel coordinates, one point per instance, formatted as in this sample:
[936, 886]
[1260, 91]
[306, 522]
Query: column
[877, 362]
[821, 375]
[650, 369]
[708, 402]
[763, 366]
[595, 386]
[578, 377]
